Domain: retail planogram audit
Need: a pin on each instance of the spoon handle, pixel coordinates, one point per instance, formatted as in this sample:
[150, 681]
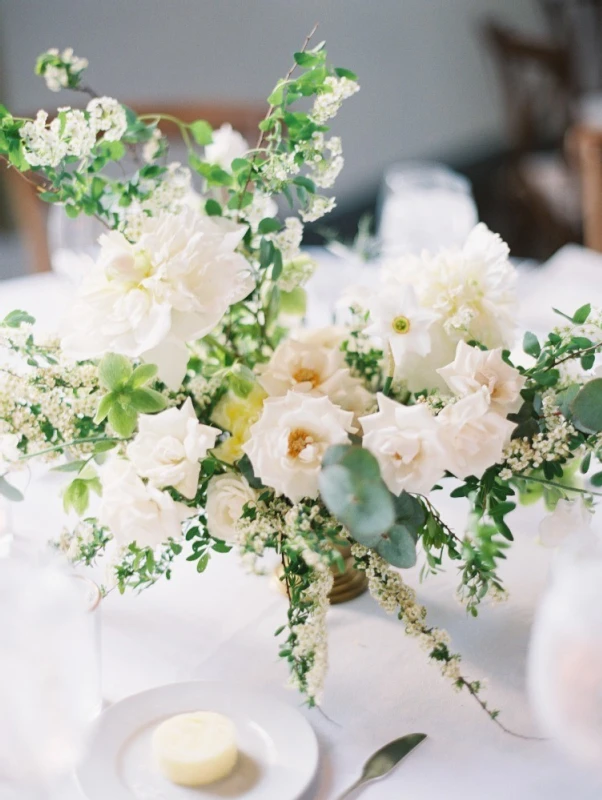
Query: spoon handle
[349, 791]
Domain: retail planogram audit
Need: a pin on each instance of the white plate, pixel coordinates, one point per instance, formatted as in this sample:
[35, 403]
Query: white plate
[278, 751]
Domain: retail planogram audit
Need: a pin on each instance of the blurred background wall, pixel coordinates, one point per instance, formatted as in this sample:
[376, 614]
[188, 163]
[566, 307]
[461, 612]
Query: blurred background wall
[428, 88]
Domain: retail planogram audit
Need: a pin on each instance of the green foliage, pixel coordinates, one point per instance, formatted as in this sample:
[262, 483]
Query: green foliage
[202, 132]
[77, 494]
[17, 318]
[9, 491]
[586, 407]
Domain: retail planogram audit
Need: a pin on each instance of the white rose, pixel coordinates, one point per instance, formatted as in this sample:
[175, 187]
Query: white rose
[168, 447]
[227, 496]
[475, 370]
[317, 370]
[136, 512]
[568, 518]
[473, 435]
[172, 286]
[406, 443]
[288, 442]
[227, 145]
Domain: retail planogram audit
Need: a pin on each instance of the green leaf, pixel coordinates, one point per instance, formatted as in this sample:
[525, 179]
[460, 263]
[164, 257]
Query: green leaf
[123, 420]
[147, 401]
[76, 496]
[580, 316]
[277, 96]
[531, 344]
[9, 491]
[213, 208]
[294, 303]
[346, 73]
[104, 407]
[202, 562]
[307, 59]
[105, 445]
[70, 466]
[266, 253]
[562, 314]
[277, 268]
[240, 165]
[246, 469]
[306, 183]
[141, 375]
[596, 480]
[398, 547]
[269, 225]
[365, 507]
[202, 132]
[587, 407]
[16, 318]
[114, 371]
[409, 511]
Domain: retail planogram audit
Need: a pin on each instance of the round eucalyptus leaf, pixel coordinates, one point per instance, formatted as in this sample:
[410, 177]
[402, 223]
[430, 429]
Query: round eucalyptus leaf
[398, 547]
[409, 511]
[587, 407]
[364, 507]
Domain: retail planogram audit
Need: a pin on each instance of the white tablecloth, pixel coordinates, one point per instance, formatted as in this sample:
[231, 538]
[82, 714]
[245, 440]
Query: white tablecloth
[220, 625]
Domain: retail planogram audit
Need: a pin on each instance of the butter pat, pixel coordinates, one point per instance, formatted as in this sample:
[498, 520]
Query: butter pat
[195, 749]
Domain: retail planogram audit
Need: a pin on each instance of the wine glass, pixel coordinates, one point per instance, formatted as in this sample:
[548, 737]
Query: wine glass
[72, 242]
[424, 206]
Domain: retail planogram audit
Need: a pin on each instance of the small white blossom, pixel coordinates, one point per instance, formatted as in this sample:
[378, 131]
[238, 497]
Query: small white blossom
[227, 496]
[288, 442]
[154, 146]
[43, 146]
[317, 207]
[78, 134]
[57, 75]
[108, 115]
[168, 447]
[407, 444]
[328, 103]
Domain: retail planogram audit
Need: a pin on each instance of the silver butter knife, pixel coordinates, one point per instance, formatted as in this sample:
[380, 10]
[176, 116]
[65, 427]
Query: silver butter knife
[383, 761]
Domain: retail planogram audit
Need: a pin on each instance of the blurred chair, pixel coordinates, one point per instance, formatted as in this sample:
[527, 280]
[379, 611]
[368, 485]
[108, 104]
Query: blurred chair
[586, 143]
[577, 24]
[537, 90]
[30, 213]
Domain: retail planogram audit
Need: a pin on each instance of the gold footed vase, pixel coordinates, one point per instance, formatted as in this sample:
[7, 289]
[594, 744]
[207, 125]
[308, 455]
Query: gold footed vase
[347, 584]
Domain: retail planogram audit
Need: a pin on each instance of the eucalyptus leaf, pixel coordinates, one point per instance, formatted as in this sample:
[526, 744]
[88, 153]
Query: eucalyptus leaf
[398, 547]
[409, 511]
[9, 491]
[587, 407]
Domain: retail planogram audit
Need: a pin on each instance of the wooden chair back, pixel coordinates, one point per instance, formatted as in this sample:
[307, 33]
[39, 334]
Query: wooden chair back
[30, 212]
[586, 144]
[536, 82]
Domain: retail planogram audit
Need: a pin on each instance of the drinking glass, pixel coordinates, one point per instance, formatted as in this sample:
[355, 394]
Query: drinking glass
[49, 673]
[424, 206]
[72, 242]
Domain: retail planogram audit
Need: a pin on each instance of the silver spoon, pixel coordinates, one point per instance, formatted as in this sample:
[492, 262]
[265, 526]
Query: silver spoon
[382, 762]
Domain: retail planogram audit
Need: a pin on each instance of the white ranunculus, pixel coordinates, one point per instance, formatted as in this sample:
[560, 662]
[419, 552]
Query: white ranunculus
[311, 368]
[398, 320]
[406, 443]
[475, 370]
[568, 518]
[135, 511]
[288, 442]
[472, 290]
[227, 496]
[173, 285]
[168, 447]
[473, 435]
[227, 145]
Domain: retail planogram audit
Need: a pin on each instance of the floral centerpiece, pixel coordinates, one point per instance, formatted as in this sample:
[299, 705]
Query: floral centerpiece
[184, 392]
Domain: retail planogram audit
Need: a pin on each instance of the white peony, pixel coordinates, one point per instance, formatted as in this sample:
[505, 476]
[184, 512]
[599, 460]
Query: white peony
[173, 285]
[227, 496]
[135, 511]
[473, 435]
[168, 447]
[312, 368]
[475, 370]
[398, 320]
[227, 145]
[406, 443]
[568, 518]
[471, 290]
[288, 442]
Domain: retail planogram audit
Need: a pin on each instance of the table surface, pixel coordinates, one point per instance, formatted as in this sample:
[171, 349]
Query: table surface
[219, 626]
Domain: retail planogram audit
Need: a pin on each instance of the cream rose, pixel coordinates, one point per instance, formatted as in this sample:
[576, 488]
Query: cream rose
[406, 443]
[168, 447]
[288, 442]
[474, 436]
[475, 370]
[227, 496]
[135, 511]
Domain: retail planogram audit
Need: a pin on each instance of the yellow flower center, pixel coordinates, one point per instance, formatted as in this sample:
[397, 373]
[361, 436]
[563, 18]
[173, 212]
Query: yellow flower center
[305, 375]
[298, 441]
[401, 324]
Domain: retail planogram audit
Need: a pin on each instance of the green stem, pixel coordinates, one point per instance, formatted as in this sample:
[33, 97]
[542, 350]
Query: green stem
[557, 485]
[389, 371]
[65, 445]
[170, 118]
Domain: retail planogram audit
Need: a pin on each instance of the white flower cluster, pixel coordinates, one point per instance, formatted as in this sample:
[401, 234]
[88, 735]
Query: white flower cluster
[69, 66]
[328, 103]
[154, 147]
[172, 286]
[317, 207]
[553, 444]
[72, 133]
[426, 304]
[227, 145]
[298, 267]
